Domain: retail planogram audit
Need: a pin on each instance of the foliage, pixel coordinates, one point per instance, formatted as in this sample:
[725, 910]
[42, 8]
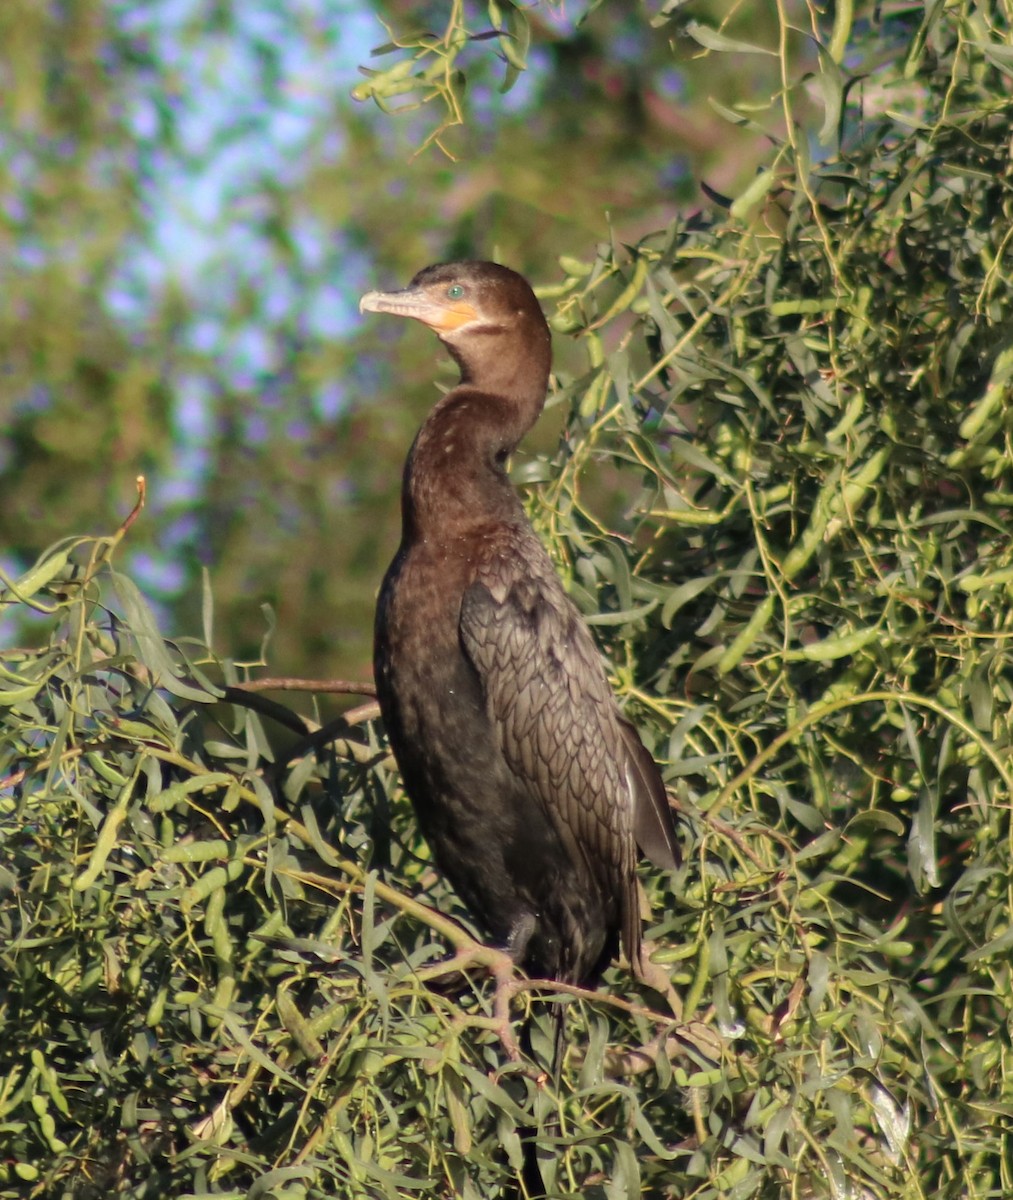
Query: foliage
[220, 955]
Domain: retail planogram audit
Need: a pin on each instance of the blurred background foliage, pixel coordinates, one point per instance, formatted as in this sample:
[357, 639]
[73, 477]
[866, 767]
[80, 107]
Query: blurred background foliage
[776, 474]
[192, 204]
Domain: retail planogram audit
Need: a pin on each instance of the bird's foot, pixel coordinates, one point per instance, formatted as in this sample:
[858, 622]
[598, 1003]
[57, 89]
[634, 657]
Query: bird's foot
[504, 973]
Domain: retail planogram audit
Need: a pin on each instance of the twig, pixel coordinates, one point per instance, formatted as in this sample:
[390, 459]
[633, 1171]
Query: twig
[135, 512]
[284, 683]
[330, 733]
[241, 696]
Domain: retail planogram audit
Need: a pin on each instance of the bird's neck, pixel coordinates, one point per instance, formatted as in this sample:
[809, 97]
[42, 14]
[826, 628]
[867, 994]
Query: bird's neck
[515, 369]
[455, 478]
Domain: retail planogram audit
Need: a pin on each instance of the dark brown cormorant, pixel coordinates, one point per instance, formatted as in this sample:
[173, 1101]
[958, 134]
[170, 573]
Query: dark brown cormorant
[529, 785]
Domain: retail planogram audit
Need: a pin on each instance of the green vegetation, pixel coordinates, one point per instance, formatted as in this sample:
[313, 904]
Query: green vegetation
[783, 495]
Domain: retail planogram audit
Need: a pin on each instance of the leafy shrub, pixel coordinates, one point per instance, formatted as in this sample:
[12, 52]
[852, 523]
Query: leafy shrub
[221, 956]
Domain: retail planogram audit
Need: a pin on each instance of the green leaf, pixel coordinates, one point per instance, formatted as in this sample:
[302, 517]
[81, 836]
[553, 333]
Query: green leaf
[151, 647]
[711, 39]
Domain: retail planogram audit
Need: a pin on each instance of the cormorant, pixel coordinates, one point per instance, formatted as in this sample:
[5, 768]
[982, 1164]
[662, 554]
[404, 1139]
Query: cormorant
[531, 788]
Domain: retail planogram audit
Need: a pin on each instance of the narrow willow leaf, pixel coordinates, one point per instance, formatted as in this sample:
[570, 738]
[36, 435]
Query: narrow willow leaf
[830, 80]
[754, 194]
[922, 842]
[40, 576]
[151, 647]
[712, 40]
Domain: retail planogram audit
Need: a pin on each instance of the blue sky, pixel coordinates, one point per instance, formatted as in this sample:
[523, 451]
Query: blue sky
[228, 135]
[248, 103]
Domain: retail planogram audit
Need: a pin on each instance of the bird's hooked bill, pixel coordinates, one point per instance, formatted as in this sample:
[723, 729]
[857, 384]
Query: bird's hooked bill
[438, 312]
[399, 303]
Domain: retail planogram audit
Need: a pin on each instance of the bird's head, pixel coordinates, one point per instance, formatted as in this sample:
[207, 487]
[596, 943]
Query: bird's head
[486, 315]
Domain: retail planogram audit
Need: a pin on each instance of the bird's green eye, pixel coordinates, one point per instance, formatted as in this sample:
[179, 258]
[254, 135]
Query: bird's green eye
[455, 291]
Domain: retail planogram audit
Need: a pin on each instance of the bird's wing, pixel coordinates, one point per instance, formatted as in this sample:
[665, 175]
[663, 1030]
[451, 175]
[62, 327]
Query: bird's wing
[653, 827]
[559, 728]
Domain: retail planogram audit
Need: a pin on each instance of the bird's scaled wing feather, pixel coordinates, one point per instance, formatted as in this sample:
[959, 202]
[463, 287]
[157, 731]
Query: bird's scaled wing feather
[559, 729]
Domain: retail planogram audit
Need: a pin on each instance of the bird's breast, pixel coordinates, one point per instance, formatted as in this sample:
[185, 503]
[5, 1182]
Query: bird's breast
[427, 689]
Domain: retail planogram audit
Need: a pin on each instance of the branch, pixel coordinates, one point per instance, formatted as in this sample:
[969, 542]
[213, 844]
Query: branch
[240, 695]
[283, 683]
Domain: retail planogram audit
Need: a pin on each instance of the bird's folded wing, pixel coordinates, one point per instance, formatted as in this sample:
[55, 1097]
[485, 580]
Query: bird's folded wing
[549, 699]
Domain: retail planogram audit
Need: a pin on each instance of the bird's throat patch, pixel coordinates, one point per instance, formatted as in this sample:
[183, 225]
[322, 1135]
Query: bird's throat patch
[452, 316]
